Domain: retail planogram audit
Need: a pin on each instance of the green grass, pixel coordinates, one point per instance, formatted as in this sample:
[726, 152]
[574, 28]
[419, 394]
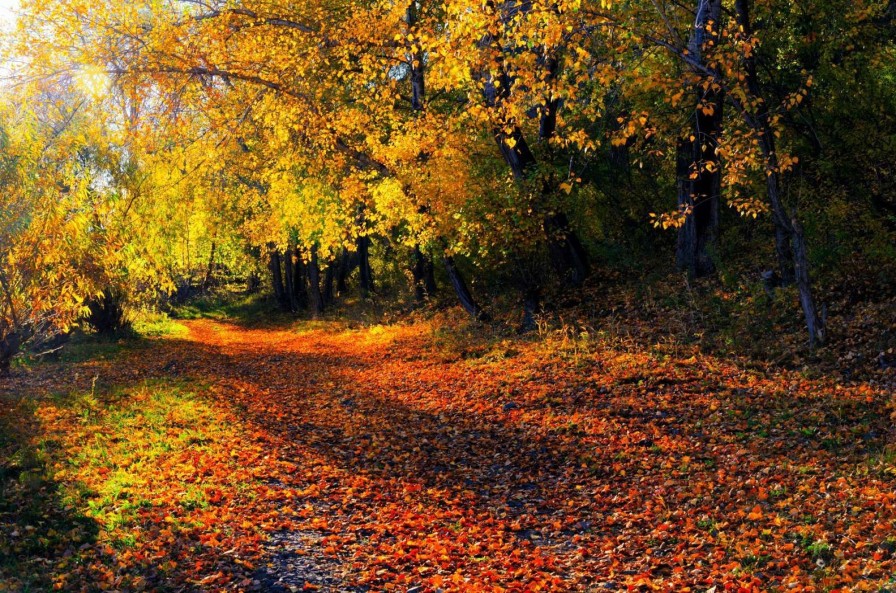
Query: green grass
[819, 550]
[80, 470]
[229, 307]
[83, 346]
[154, 324]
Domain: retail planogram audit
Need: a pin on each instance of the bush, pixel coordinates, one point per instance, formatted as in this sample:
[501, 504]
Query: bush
[107, 315]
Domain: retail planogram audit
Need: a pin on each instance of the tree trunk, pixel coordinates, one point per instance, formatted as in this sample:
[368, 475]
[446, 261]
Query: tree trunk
[620, 154]
[365, 272]
[463, 292]
[784, 248]
[788, 231]
[9, 347]
[252, 283]
[698, 236]
[567, 253]
[418, 73]
[289, 281]
[789, 237]
[423, 272]
[209, 271]
[531, 308]
[11, 338]
[429, 277]
[277, 279]
[815, 323]
[424, 276]
[698, 167]
[299, 281]
[343, 269]
[106, 312]
[317, 301]
[329, 275]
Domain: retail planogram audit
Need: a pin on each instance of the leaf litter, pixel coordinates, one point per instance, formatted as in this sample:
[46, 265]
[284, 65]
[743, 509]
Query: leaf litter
[372, 460]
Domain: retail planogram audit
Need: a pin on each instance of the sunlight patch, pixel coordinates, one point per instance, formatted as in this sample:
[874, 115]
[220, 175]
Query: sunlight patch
[93, 81]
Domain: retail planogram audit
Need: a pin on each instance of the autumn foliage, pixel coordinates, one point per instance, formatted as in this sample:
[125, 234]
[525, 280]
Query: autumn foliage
[535, 295]
[522, 143]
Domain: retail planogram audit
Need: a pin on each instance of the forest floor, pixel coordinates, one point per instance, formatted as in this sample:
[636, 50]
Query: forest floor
[234, 456]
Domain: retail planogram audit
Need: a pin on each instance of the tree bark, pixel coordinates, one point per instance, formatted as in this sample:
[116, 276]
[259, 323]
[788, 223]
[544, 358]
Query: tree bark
[365, 271]
[9, 347]
[299, 283]
[567, 254]
[10, 333]
[317, 301]
[277, 279]
[329, 275]
[784, 248]
[343, 269]
[418, 73]
[789, 236]
[424, 276]
[107, 314]
[698, 167]
[252, 283]
[620, 154]
[463, 292]
[209, 271]
[289, 281]
[531, 308]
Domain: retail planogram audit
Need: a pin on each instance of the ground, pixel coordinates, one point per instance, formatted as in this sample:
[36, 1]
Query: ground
[410, 457]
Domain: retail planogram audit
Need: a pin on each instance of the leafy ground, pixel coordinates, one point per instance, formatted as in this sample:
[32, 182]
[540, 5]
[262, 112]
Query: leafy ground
[227, 456]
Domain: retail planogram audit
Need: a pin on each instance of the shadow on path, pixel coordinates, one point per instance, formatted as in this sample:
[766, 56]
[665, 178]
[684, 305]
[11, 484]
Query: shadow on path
[410, 466]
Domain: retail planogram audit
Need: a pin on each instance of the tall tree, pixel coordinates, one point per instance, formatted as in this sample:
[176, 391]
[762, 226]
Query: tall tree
[699, 169]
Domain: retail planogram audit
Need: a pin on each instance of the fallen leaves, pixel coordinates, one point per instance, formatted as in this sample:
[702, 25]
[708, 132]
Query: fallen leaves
[393, 468]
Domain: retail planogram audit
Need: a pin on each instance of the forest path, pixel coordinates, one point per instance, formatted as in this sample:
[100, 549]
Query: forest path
[485, 466]
[412, 459]
[409, 463]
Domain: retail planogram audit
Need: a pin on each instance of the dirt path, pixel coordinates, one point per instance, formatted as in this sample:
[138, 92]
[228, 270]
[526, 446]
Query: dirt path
[380, 462]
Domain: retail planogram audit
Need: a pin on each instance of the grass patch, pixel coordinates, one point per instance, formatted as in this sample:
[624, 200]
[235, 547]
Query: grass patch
[155, 324]
[84, 347]
[90, 477]
[251, 308]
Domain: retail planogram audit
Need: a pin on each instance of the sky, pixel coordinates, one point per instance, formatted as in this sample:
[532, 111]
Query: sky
[7, 17]
[7, 21]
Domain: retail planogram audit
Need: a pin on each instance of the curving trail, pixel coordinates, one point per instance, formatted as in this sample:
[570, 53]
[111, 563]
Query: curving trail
[379, 461]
